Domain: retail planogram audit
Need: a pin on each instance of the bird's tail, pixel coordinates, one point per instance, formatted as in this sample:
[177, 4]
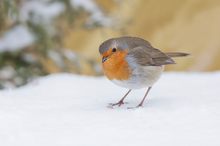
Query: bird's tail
[176, 54]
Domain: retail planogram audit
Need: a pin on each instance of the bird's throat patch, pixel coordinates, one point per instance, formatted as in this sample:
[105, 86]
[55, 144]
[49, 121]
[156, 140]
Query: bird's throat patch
[116, 66]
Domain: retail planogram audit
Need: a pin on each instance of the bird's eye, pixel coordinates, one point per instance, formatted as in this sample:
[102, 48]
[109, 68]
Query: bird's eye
[114, 50]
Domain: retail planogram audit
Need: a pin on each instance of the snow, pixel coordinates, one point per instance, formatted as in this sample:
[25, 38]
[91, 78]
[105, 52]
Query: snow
[96, 13]
[56, 57]
[41, 11]
[64, 109]
[15, 39]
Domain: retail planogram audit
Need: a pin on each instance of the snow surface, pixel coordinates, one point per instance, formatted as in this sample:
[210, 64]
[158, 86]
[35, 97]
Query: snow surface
[183, 109]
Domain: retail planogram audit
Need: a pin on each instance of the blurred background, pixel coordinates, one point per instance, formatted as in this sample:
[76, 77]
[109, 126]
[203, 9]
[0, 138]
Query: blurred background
[40, 37]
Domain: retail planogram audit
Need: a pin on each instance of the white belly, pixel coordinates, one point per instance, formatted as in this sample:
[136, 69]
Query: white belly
[142, 76]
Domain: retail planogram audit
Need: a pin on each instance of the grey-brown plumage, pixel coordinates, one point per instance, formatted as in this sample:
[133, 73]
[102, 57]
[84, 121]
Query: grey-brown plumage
[141, 49]
[148, 56]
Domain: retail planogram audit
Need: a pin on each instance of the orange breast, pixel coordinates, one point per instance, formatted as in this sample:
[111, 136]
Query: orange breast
[116, 67]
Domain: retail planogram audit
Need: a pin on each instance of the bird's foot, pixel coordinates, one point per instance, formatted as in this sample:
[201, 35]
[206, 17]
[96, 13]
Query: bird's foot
[121, 102]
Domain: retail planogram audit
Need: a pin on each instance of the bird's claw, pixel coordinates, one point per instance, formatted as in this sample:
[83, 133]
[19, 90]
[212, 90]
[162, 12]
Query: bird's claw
[117, 104]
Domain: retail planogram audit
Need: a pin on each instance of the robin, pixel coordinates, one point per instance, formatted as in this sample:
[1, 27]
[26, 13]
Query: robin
[132, 63]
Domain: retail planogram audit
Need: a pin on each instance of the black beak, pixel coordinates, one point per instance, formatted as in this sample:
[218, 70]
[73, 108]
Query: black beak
[104, 59]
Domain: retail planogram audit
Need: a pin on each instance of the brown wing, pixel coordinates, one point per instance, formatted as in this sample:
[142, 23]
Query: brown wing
[149, 56]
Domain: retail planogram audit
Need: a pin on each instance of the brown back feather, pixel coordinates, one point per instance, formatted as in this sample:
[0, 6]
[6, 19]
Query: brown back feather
[149, 56]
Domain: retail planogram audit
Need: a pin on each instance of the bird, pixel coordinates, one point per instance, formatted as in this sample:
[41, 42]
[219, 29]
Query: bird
[133, 63]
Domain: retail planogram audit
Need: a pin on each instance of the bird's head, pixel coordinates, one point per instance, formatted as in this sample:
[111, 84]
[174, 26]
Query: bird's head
[112, 47]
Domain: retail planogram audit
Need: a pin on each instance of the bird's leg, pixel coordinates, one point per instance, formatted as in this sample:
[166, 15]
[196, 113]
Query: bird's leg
[122, 100]
[142, 101]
